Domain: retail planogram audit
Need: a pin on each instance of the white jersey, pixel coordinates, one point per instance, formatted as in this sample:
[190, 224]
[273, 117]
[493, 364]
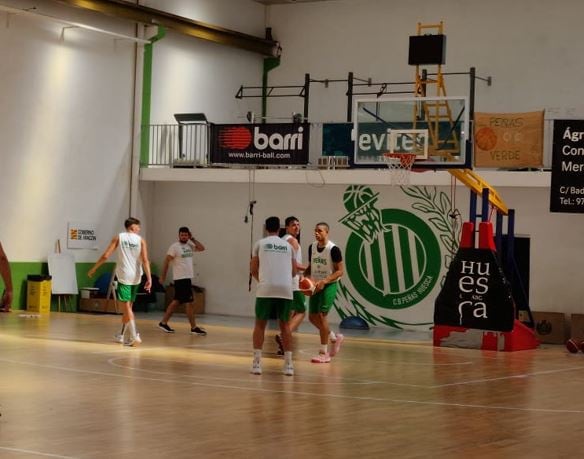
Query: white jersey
[321, 263]
[298, 257]
[182, 262]
[275, 273]
[129, 267]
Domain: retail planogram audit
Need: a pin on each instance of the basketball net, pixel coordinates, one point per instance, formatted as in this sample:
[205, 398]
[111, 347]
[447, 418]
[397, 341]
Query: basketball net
[400, 167]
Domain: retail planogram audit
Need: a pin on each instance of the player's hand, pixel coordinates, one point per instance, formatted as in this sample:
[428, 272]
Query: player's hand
[91, 272]
[319, 286]
[148, 285]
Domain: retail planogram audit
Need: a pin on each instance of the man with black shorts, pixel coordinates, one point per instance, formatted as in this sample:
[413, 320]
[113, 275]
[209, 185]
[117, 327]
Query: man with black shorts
[132, 259]
[180, 255]
[273, 266]
[326, 268]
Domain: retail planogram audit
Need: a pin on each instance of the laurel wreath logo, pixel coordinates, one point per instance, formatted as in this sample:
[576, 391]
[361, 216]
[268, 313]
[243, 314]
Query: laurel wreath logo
[437, 207]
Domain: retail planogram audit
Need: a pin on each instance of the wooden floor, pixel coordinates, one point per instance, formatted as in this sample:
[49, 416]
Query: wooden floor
[68, 391]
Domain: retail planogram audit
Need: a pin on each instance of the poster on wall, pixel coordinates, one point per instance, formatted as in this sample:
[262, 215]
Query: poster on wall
[81, 235]
[508, 140]
[279, 144]
[567, 187]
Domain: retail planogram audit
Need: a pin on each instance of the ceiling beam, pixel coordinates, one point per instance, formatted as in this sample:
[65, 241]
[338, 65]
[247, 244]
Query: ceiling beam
[150, 16]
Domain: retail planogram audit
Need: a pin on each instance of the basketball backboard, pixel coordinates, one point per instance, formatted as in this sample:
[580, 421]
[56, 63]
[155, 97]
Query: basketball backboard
[434, 128]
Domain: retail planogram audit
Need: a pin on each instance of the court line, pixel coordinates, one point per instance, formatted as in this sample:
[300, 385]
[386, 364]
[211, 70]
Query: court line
[302, 393]
[356, 382]
[36, 453]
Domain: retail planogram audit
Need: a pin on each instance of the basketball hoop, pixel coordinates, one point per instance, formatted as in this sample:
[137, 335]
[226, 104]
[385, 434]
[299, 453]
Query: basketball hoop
[400, 167]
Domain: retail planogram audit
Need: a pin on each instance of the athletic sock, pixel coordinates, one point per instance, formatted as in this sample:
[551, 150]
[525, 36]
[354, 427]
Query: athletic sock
[332, 336]
[257, 354]
[323, 349]
[131, 325]
[288, 356]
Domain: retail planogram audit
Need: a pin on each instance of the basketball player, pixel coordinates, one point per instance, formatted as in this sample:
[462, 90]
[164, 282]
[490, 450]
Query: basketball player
[326, 268]
[273, 266]
[132, 258]
[180, 255]
[298, 302]
[7, 279]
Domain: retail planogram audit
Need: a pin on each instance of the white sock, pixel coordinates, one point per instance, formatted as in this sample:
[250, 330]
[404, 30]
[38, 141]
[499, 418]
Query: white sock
[257, 354]
[131, 326]
[288, 357]
[323, 349]
[332, 336]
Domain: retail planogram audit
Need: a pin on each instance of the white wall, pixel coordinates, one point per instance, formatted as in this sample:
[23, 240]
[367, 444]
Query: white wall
[68, 107]
[215, 213]
[529, 48]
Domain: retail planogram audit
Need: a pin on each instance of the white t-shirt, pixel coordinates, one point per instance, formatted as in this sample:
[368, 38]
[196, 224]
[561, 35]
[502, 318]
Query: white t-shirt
[275, 273]
[182, 263]
[298, 256]
[129, 267]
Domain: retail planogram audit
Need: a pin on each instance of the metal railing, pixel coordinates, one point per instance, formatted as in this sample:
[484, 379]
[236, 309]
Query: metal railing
[179, 145]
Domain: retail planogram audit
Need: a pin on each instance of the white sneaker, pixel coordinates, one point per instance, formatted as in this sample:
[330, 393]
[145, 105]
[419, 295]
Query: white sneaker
[256, 368]
[134, 341]
[337, 345]
[288, 369]
[332, 336]
[119, 338]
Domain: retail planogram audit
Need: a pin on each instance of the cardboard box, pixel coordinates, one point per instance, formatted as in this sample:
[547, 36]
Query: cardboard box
[38, 294]
[550, 327]
[98, 305]
[198, 300]
[577, 327]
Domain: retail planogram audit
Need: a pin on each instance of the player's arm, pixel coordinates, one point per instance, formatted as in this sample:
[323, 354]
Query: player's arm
[296, 247]
[254, 267]
[307, 267]
[146, 266]
[196, 244]
[6, 278]
[167, 260]
[113, 245]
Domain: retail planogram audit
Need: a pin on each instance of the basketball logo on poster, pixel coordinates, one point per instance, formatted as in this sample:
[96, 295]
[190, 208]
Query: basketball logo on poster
[81, 236]
[394, 258]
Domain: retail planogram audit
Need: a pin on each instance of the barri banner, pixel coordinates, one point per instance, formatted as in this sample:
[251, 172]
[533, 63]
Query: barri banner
[509, 140]
[567, 188]
[275, 144]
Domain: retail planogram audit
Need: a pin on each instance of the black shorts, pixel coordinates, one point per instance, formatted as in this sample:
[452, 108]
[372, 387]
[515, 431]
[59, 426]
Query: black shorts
[183, 291]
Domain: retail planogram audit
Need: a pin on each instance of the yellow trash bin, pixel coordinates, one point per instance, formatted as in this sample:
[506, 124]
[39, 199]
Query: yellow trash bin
[38, 293]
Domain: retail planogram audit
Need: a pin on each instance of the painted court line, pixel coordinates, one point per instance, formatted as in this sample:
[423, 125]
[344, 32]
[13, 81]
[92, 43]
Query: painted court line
[306, 394]
[36, 453]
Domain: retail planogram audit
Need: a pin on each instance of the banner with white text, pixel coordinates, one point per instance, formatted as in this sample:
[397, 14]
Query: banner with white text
[567, 187]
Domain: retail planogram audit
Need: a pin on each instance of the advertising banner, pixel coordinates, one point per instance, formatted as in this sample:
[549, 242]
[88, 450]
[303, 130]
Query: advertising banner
[567, 187]
[262, 144]
[509, 140]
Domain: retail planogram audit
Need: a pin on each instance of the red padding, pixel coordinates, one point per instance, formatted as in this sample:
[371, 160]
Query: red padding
[467, 236]
[486, 240]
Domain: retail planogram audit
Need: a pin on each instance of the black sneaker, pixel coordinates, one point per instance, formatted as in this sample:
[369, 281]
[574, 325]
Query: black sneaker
[198, 331]
[165, 328]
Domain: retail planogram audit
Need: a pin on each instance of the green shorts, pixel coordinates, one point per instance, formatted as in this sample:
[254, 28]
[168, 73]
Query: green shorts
[299, 302]
[269, 308]
[323, 301]
[127, 292]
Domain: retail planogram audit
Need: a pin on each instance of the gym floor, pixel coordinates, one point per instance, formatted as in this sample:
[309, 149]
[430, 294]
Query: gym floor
[68, 391]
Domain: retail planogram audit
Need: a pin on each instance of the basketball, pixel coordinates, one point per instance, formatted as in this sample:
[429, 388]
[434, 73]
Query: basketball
[307, 286]
[572, 346]
[485, 138]
[357, 195]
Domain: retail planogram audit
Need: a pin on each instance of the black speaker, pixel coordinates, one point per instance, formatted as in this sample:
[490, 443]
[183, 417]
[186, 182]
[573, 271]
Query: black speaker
[427, 50]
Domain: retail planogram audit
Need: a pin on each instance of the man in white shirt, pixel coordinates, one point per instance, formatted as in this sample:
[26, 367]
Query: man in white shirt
[132, 258]
[273, 265]
[180, 255]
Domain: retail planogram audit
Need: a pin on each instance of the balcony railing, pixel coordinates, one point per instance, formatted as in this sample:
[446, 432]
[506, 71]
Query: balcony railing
[179, 145]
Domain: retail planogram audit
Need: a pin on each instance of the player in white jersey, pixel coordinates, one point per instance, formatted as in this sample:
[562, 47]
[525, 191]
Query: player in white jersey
[180, 255]
[326, 268]
[299, 301]
[132, 258]
[273, 266]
